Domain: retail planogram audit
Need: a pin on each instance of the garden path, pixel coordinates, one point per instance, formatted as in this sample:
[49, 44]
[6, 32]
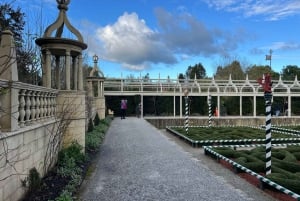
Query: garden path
[139, 162]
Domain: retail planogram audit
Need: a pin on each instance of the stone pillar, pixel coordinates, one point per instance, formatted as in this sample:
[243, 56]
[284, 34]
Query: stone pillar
[71, 106]
[10, 98]
[68, 70]
[8, 64]
[75, 72]
[100, 107]
[80, 74]
[48, 69]
[90, 88]
[57, 67]
[99, 89]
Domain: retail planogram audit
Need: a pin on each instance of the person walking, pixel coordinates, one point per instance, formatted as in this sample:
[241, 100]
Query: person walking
[123, 108]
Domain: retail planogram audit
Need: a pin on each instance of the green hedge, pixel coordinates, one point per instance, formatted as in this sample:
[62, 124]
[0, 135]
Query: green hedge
[285, 164]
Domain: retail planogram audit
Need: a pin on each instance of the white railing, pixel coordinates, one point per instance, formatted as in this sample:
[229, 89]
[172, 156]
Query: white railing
[196, 86]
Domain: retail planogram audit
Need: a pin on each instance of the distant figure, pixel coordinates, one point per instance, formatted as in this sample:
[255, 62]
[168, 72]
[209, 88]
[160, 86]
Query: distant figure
[138, 110]
[123, 108]
[286, 108]
[216, 113]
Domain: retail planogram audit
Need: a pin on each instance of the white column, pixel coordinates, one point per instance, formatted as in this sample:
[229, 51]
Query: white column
[289, 105]
[174, 104]
[219, 106]
[180, 103]
[142, 106]
[254, 106]
[241, 106]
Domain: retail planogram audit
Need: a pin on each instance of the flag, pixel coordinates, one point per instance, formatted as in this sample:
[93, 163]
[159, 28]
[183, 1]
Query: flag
[268, 57]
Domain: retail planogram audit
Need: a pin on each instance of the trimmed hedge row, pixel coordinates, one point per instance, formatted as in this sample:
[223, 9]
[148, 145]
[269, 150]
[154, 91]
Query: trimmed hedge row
[285, 163]
[223, 133]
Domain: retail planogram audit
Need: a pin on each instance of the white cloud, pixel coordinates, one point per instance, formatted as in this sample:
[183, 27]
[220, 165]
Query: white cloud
[269, 9]
[131, 42]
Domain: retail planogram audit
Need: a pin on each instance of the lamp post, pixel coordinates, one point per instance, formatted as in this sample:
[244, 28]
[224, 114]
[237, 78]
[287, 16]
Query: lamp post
[95, 58]
[209, 110]
[186, 98]
[269, 57]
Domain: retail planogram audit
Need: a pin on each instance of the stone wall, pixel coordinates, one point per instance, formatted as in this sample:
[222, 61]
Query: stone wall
[72, 108]
[19, 152]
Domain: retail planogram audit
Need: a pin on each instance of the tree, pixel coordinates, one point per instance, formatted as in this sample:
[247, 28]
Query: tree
[290, 71]
[181, 77]
[27, 59]
[13, 20]
[234, 69]
[197, 70]
[256, 72]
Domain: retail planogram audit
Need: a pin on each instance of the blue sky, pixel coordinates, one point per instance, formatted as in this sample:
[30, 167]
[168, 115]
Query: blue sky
[164, 37]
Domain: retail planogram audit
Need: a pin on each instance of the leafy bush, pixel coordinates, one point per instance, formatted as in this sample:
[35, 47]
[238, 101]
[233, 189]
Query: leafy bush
[73, 151]
[65, 196]
[94, 138]
[34, 180]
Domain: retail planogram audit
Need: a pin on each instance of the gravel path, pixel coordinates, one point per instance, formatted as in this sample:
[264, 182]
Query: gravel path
[139, 162]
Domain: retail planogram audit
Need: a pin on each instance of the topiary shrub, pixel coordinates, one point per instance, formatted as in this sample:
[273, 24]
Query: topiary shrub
[291, 184]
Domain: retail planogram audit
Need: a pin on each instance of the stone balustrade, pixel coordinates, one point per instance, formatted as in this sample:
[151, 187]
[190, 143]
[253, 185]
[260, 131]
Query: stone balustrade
[33, 104]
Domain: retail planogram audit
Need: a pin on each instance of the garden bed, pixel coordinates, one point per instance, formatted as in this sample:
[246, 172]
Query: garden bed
[204, 136]
[284, 181]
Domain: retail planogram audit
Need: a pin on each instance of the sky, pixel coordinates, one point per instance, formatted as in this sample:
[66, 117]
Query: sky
[164, 37]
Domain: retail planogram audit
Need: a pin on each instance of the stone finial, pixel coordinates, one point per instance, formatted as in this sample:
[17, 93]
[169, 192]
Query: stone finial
[63, 4]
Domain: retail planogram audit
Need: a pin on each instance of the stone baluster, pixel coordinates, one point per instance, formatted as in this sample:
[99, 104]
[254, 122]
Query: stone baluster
[49, 101]
[22, 107]
[33, 107]
[38, 103]
[54, 104]
[27, 106]
[42, 103]
[46, 105]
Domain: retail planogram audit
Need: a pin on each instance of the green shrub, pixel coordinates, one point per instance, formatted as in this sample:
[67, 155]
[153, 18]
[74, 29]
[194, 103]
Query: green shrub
[297, 155]
[65, 196]
[69, 168]
[291, 184]
[34, 180]
[286, 165]
[73, 151]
